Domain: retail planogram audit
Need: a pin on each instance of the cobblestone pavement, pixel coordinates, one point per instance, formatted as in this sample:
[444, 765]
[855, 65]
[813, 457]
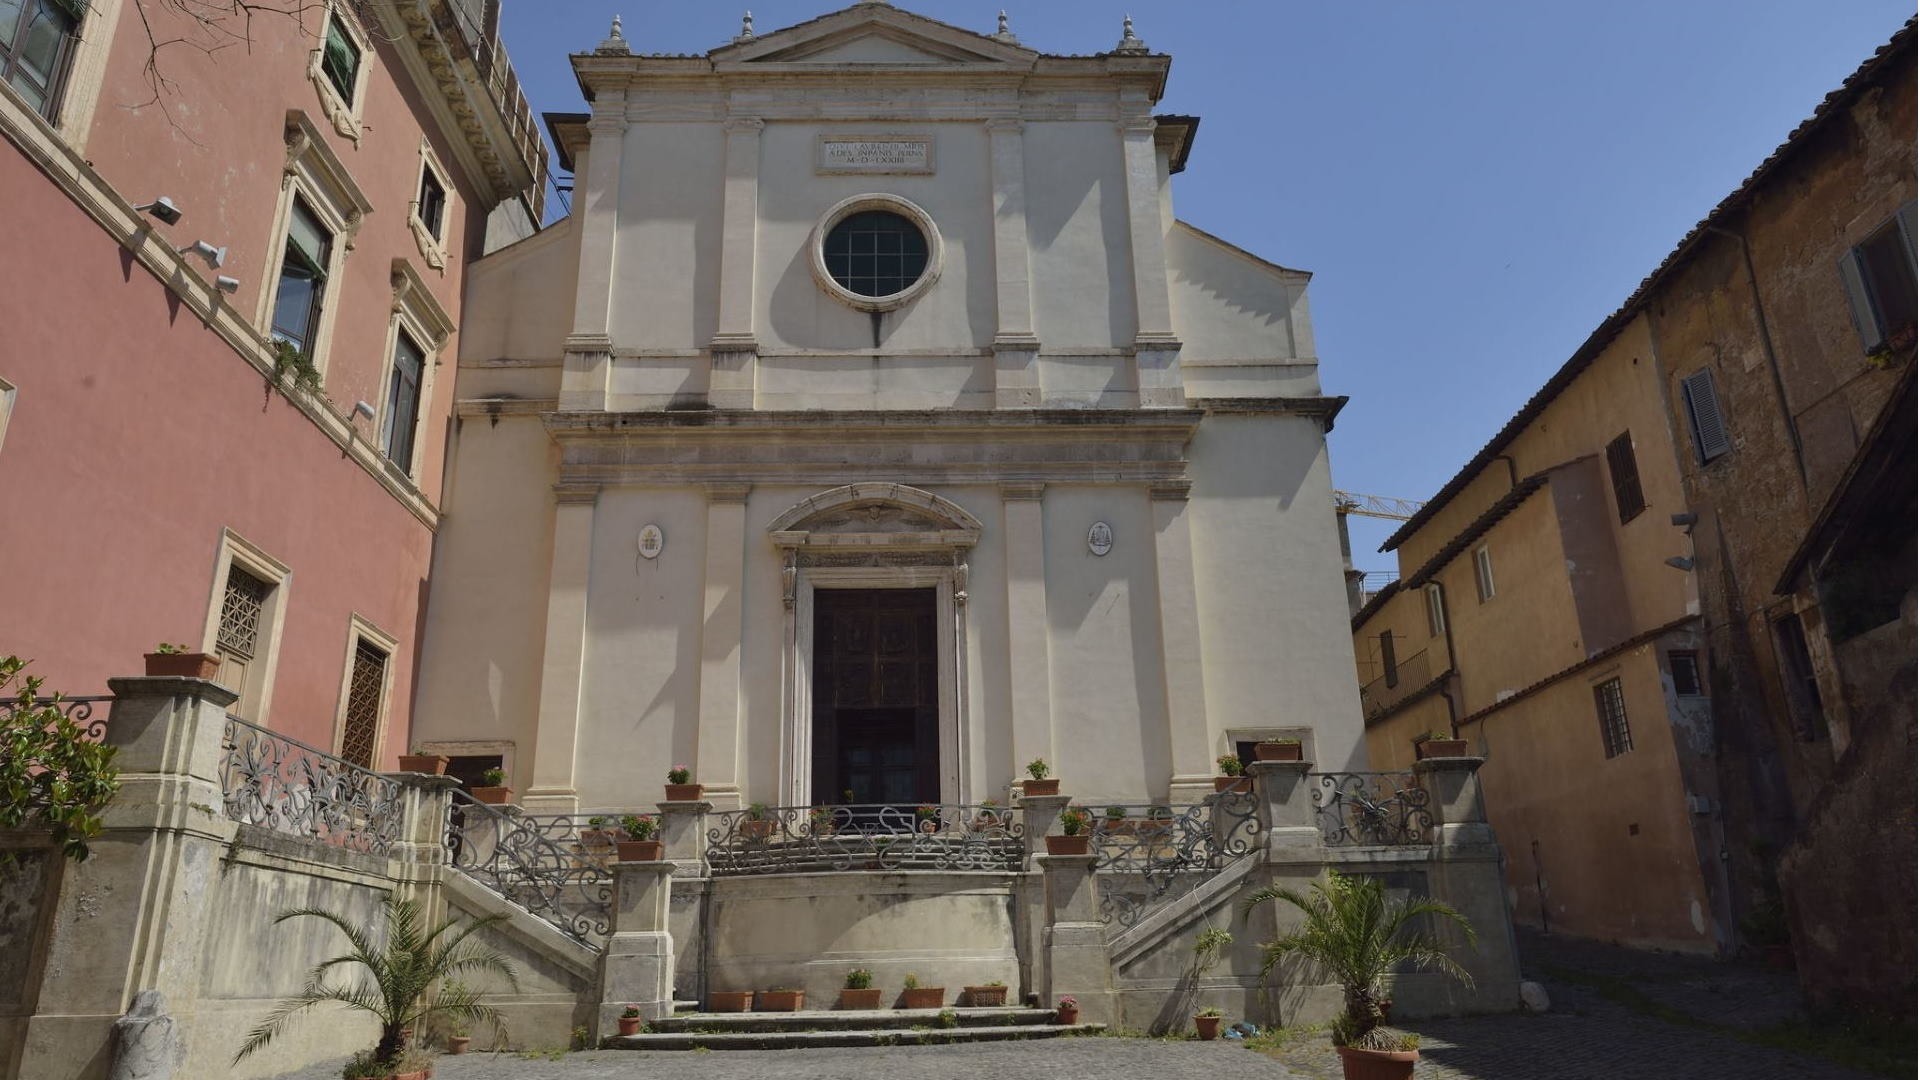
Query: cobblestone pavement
[1588, 1036]
[1055, 1059]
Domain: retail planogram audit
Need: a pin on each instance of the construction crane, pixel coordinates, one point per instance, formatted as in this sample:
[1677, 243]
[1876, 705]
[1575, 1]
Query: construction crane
[1375, 506]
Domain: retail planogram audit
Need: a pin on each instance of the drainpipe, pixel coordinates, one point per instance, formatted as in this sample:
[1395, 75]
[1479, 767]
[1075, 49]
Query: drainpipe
[1766, 349]
[1513, 476]
[1453, 665]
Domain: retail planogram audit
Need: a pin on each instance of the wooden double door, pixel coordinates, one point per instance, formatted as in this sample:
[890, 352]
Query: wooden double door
[876, 697]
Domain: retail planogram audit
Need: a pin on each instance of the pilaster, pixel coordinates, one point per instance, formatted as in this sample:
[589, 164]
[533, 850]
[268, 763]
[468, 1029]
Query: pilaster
[1027, 666]
[550, 788]
[589, 348]
[1015, 348]
[1191, 739]
[733, 351]
[683, 833]
[717, 757]
[1156, 349]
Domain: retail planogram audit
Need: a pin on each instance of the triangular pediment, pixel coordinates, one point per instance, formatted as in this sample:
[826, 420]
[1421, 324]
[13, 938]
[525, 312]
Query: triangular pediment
[875, 35]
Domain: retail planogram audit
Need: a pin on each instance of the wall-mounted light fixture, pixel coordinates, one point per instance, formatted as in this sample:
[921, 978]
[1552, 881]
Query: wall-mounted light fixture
[163, 209]
[216, 256]
[228, 285]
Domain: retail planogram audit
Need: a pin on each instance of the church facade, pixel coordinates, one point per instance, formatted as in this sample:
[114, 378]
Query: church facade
[873, 428]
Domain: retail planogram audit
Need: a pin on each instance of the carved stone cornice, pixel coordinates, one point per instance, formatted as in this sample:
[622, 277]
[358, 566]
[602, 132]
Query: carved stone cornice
[1022, 491]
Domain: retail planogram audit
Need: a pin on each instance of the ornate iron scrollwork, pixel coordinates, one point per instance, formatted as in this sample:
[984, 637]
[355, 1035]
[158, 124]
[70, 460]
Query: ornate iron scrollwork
[1371, 809]
[77, 709]
[557, 866]
[1151, 854]
[287, 786]
[810, 839]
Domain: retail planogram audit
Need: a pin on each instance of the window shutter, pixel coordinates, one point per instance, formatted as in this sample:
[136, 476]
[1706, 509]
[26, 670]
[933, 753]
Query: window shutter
[1858, 301]
[1626, 478]
[1709, 431]
[1907, 230]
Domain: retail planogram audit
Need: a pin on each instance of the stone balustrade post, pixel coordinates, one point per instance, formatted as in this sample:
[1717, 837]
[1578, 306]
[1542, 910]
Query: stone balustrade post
[637, 968]
[683, 829]
[420, 856]
[1454, 800]
[134, 916]
[1039, 818]
[1283, 792]
[1077, 962]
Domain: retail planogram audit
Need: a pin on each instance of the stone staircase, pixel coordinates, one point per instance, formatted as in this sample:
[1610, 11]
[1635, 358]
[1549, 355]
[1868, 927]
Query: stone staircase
[877, 1027]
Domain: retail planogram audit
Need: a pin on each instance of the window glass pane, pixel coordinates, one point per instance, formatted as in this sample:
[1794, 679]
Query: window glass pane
[875, 253]
[47, 30]
[1889, 275]
[294, 303]
[341, 60]
[306, 235]
[9, 22]
[403, 401]
[433, 201]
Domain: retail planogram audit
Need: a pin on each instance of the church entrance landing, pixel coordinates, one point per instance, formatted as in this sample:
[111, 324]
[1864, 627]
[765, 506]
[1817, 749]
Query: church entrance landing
[876, 697]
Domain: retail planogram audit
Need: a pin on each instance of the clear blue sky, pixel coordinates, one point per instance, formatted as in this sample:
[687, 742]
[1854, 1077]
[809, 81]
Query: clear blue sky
[1475, 185]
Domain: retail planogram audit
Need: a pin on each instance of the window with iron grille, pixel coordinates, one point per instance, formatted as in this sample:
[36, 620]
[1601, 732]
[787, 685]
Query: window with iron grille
[1685, 666]
[1626, 477]
[366, 690]
[1611, 703]
[240, 611]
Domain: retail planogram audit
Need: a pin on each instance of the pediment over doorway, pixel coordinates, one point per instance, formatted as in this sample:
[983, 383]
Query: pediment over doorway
[875, 515]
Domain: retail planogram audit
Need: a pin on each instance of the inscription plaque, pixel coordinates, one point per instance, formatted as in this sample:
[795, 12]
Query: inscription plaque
[876, 154]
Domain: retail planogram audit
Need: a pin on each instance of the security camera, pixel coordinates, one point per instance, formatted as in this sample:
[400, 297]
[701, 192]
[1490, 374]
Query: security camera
[216, 256]
[163, 209]
[228, 285]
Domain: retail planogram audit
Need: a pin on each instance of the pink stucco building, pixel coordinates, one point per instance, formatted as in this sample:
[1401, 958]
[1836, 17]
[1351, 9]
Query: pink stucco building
[246, 457]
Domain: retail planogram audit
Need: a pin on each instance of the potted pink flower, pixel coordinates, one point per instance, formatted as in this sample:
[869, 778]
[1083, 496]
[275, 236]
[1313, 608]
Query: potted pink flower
[680, 785]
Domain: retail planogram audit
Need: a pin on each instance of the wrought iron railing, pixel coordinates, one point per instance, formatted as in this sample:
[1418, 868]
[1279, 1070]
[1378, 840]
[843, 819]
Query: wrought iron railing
[1154, 854]
[287, 786]
[77, 709]
[810, 839]
[554, 866]
[1409, 677]
[1371, 809]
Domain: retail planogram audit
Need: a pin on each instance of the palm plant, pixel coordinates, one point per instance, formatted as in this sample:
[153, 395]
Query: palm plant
[1358, 936]
[399, 976]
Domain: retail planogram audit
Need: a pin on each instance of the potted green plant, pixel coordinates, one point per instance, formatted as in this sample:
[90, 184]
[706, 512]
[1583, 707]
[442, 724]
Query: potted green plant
[990, 995]
[988, 815]
[820, 821]
[168, 661]
[915, 996]
[397, 988]
[1074, 823]
[1067, 1012]
[729, 1001]
[680, 785]
[1232, 774]
[779, 999]
[458, 1037]
[1039, 779]
[1435, 744]
[640, 844]
[1206, 1023]
[596, 835]
[630, 1021]
[431, 764]
[1277, 750]
[757, 822]
[493, 788]
[1353, 933]
[859, 992]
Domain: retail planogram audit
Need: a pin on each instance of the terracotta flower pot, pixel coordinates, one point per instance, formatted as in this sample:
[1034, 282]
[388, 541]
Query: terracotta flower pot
[1276, 751]
[493, 796]
[1041, 787]
[860, 999]
[685, 792]
[986, 997]
[1229, 783]
[431, 764]
[630, 1025]
[1067, 1016]
[457, 1044]
[639, 850]
[1207, 1027]
[730, 1001]
[1432, 748]
[923, 997]
[779, 1000]
[418, 1074]
[1377, 1064]
[182, 665]
[756, 830]
[1067, 845]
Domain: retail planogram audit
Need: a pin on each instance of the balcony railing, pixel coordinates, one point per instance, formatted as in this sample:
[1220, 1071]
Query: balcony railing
[811, 839]
[77, 709]
[287, 786]
[1371, 809]
[1387, 691]
[1154, 854]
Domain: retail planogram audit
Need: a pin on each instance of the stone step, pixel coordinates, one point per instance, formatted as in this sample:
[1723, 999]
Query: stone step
[685, 1006]
[844, 1020]
[794, 1040]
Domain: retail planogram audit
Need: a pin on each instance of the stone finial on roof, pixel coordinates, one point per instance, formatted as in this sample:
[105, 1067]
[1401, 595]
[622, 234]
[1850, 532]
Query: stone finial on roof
[615, 43]
[746, 28]
[1002, 33]
[1129, 41]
